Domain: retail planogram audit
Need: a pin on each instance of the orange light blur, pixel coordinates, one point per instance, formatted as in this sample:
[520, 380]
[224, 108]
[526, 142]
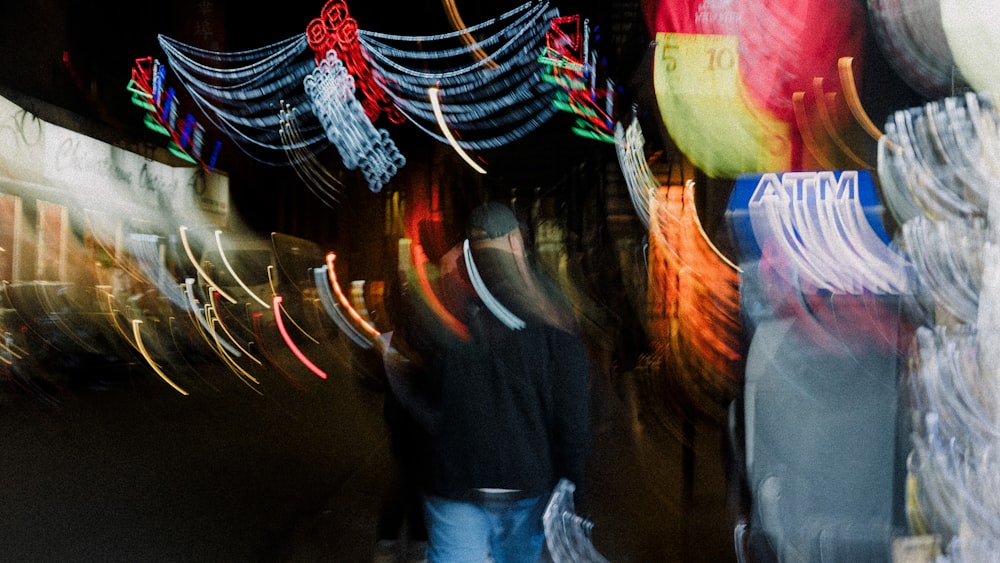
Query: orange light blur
[374, 332]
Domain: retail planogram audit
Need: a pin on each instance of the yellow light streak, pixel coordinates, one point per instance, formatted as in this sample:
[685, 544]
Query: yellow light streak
[197, 266]
[850, 87]
[229, 268]
[149, 359]
[332, 274]
[433, 92]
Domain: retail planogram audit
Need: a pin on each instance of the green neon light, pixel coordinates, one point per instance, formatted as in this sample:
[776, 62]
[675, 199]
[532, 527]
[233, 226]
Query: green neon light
[176, 150]
[153, 125]
[593, 135]
[563, 83]
[140, 97]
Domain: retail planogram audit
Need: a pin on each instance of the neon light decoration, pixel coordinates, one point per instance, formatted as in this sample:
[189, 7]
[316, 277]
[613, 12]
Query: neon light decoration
[239, 93]
[572, 67]
[187, 138]
[335, 30]
[347, 127]
[331, 83]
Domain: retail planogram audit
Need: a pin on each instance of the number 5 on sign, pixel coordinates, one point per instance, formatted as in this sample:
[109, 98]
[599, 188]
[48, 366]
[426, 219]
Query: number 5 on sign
[702, 64]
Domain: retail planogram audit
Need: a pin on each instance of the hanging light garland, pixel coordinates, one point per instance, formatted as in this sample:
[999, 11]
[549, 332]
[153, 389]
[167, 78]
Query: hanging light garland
[496, 82]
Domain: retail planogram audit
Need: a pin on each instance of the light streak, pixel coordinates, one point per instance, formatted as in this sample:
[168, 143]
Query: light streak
[642, 183]
[274, 291]
[238, 91]
[489, 107]
[334, 311]
[853, 99]
[204, 326]
[149, 360]
[458, 25]
[197, 266]
[239, 280]
[331, 272]
[413, 262]
[217, 319]
[314, 175]
[291, 344]
[503, 314]
[240, 372]
[432, 92]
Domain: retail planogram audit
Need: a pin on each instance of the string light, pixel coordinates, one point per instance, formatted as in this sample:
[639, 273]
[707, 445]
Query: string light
[240, 92]
[354, 75]
[495, 100]
[314, 175]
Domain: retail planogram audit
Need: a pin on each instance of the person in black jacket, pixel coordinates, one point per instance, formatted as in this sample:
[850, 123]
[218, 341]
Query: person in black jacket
[505, 400]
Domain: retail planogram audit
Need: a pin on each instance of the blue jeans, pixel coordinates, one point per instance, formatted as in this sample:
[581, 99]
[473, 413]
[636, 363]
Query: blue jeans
[469, 532]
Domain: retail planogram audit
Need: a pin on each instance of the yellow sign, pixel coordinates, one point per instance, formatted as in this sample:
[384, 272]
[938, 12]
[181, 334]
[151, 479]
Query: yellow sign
[707, 112]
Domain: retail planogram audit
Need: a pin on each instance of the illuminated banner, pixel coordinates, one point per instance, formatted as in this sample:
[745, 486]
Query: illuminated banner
[42, 160]
[790, 190]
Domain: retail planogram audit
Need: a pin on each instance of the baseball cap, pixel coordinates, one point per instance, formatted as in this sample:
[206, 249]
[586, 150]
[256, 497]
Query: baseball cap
[491, 220]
